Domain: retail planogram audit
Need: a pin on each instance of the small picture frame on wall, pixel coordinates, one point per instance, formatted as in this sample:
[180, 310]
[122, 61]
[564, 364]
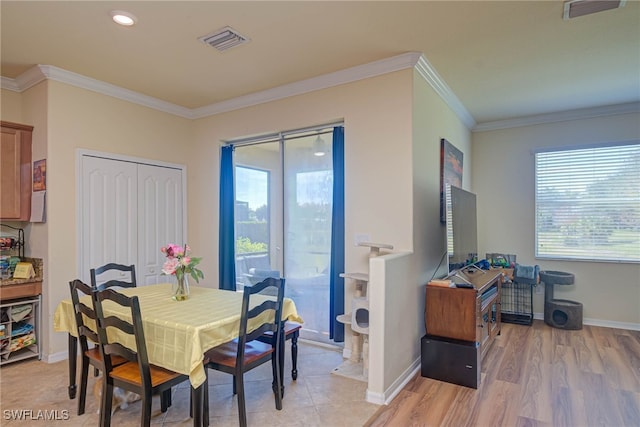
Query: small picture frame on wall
[450, 171]
[40, 175]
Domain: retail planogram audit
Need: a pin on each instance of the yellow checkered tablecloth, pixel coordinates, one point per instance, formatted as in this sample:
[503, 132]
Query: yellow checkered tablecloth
[178, 332]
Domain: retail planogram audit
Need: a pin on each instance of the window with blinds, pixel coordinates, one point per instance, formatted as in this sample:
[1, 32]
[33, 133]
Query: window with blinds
[588, 203]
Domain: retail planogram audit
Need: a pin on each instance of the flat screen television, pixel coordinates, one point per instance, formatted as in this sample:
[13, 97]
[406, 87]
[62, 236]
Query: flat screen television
[462, 229]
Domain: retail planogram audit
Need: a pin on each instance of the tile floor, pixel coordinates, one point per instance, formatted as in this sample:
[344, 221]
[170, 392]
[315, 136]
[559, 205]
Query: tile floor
[317, 398]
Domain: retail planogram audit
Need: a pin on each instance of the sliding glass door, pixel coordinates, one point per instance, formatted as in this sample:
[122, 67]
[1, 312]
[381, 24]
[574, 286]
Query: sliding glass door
[283, 221]
[308, 186]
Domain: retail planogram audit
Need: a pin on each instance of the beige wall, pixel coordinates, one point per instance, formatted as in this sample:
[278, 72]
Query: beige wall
[503, 178]
[432, 121]
[397, 286]
[10, 106]
[402, 298]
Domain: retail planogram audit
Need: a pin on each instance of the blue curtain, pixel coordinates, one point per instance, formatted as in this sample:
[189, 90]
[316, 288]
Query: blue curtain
[336, 286]
[226, 245]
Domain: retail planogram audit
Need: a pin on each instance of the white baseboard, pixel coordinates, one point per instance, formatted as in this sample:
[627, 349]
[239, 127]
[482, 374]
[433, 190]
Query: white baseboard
[599, 322]
[56, 357]
[327, 346]
[395, 388]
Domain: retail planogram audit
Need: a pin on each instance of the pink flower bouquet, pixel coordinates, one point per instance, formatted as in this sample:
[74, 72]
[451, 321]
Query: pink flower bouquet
[179, 262]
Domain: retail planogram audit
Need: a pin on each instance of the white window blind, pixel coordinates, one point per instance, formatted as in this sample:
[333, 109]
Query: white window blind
[588, 203]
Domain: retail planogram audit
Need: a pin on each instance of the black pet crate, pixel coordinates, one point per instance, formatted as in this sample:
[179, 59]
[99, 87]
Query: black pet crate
[516, 301]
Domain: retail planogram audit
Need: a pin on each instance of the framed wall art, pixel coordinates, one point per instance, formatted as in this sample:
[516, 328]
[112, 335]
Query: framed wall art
[40, 175]
[450, 171]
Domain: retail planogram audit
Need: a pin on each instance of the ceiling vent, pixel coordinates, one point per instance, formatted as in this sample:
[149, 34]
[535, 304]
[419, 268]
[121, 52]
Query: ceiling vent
[224, 39]
[575, 8]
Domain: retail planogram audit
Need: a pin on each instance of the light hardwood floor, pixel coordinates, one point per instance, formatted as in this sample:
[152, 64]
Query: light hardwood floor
[534, 376]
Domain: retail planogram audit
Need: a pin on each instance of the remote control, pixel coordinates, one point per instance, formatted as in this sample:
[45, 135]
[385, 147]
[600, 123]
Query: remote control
[464, 285]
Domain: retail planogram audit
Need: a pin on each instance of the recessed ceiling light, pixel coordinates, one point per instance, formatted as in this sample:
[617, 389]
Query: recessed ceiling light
[123, 18]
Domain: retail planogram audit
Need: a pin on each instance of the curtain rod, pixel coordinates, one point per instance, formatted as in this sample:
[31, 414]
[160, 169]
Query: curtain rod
[274, 137]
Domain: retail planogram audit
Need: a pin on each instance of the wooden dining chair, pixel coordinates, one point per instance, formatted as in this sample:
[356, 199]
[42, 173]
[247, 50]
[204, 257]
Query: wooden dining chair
[136, 374]
[127, 277]
[127, 280]
[247, 352]
[86, 335]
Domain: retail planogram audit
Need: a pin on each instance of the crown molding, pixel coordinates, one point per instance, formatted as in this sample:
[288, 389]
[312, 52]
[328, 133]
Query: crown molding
[31, 77]
[560, 116]
[94, 85]
[349, 75]
[9, 84]
[431, 76]
[414, 60]
[404, 61]
[39, 73]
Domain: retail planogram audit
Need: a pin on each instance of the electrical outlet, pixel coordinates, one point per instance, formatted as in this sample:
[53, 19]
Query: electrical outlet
[539, 289]
[362, 238]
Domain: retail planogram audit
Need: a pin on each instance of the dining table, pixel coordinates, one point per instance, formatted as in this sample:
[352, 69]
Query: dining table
[177, 333]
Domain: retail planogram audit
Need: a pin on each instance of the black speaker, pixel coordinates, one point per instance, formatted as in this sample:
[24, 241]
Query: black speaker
[450, 360]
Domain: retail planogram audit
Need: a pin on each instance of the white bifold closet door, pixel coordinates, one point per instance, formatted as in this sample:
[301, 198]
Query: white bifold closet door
[129, 210]
[160, 213]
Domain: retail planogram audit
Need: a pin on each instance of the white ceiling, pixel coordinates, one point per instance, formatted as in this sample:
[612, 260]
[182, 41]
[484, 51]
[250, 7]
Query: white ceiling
[502, 59]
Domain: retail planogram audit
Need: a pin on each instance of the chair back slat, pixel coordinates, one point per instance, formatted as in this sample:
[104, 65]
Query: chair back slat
[117, 322]
[129, 270]
[117, 349]
[88, 333]
[256, 333]
[268, 286]
[85, 309]
[264, 306]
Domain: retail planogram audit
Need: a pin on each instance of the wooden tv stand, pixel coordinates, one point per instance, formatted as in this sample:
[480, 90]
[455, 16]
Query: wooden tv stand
[469, 315]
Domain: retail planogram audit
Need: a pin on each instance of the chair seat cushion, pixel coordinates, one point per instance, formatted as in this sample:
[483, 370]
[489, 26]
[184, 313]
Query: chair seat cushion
[225, 354]
[130, 372]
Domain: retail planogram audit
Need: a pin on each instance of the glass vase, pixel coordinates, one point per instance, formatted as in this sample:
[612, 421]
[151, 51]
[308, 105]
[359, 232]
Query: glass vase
[181, 288]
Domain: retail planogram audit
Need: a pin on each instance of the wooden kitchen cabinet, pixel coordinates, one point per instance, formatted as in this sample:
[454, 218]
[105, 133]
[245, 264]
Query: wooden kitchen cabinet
[15, 172]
